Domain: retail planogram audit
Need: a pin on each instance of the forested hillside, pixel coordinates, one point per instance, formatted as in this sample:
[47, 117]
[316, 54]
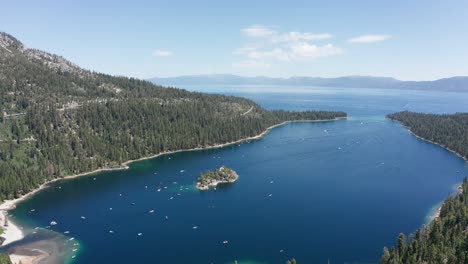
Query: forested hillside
[450, 131]
[444, 240]
[59, 119]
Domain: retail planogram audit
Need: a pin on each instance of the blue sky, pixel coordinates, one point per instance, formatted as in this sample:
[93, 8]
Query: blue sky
[409, 40]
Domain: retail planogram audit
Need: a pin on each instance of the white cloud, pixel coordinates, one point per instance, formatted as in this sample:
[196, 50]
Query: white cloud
[369, 38]
[161, 53]
[244, 50]
[258, 31]
[277, 54]
[294, 36]
[267, 45]
[251, 64]
[305, 50]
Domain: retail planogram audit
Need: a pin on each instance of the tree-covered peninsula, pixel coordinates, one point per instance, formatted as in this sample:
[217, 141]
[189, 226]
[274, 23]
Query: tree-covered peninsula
[449, 131]
[211, 179]
[445, 239]
[58, 119]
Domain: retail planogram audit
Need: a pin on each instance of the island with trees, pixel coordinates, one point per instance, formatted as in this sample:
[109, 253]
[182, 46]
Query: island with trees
[211, 179]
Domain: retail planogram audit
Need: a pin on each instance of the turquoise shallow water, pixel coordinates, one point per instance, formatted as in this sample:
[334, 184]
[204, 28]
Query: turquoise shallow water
[336, 191]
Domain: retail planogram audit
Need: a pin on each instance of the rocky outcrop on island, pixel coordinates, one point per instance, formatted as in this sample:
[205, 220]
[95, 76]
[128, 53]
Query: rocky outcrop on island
[211, 179]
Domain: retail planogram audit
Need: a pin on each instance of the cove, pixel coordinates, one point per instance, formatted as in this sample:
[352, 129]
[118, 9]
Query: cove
[336, 191]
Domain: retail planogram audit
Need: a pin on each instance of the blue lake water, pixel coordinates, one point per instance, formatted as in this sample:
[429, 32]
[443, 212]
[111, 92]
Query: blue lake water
[337, 191]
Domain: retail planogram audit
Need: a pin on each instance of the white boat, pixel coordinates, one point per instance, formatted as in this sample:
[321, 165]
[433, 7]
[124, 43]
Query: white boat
[225, 242]
[195, 227]
[151, 211]
[139, 234]
[83, 217]
[52, 223]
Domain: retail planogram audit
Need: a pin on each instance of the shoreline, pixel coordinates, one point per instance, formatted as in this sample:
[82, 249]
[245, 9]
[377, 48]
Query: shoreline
[11, 232]
[458, 190]
[14, 235]
[428, 140]
[436, 213]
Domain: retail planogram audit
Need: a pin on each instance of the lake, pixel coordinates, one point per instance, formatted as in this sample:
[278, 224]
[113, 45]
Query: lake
[330, 191]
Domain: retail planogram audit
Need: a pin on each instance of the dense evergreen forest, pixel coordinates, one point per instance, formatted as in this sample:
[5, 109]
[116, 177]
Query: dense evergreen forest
[450, 131]
[444, 240]
[60, 120]
[4, 259]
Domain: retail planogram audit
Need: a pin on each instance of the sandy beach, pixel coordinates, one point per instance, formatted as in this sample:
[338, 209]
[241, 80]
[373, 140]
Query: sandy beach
[11, 232]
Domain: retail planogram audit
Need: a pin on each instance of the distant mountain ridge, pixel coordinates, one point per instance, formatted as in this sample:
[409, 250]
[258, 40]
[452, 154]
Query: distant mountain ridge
[453, 84]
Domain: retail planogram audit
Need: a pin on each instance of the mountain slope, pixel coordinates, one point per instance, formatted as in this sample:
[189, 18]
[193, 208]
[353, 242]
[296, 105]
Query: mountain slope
[59, 119]
[454, 84]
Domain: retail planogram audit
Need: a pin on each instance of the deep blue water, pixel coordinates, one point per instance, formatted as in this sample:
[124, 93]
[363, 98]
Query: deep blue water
[337, 191]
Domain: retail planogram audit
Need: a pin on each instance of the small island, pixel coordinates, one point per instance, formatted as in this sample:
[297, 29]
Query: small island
[211, 179]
